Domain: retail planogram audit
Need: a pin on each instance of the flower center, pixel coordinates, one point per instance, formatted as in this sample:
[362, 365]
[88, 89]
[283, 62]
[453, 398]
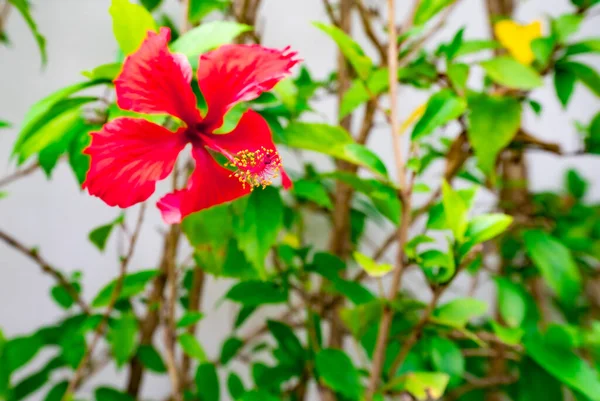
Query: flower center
[258, 168]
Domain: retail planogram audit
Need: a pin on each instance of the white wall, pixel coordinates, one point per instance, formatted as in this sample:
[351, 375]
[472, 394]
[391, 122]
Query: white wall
[57, 217]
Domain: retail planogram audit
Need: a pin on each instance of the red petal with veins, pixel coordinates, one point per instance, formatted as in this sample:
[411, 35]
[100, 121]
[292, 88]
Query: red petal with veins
[237, 73]
[156, 81]
[209, 185]
[128, 156]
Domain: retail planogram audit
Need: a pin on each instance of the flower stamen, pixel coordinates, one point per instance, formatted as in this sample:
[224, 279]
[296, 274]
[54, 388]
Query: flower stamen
[257, 168]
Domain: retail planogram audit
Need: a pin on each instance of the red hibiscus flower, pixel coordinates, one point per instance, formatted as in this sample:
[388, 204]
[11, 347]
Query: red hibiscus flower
[129, 155]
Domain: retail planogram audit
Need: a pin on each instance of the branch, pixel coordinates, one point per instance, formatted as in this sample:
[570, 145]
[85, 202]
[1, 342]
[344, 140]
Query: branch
[19, 174]
[331, 13]
[46, 268]
[365, 18]
[170, 332]
[77, 375]
[476, 383]
[386, 319]
[415, 332]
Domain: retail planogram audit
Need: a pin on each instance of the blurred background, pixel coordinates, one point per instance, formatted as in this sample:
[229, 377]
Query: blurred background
[57, 217]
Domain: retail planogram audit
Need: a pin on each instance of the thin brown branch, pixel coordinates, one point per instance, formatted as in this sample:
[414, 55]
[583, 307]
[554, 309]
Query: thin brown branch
[170, 335]
[386, 320]
[19, 174]
[99, 332]
[331, 12]
[366, 21]
[47, 268]
[478, 384]
[4, 13]
[415, 333]
[195, 301]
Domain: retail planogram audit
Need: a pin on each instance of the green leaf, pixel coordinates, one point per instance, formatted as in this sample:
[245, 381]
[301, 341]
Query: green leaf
[62, 296]
[57, 392]
[509, 72]
[474, 46]
[53, 132]
[206, 37]
[576, 184]
[542, 49]
[252, 293]
[458, 74]
[151, 5]
[191, 347]
[99, 235]
[131, 23]
[5, 124]
[564, 84]
[556, 264]
[189, 318]
[198, 9]
[565, 365]
[289, 345]
[359, 92]
[487, 226]
[312, 191]
[199, 227]
[455, 210]
[584, 73]
[372, 268]
[565, 26]
[109, 394]
[31, 383]
[438, 266]
[257, 231]
[338, 373]
[151, 359]
[235, 386]
[361, 63]
[258, 395]
[428, 9]
[333, 141]
[442, 108]
[360, 318]
[512, 303]
[23, 7]
[230, 348]
[536, 384]
[122, 338]
[133, 284]
[104, 72]
[447, 357]
[591, 45]
[487, 133]
[460, 311]
[508, 335]
[207, 382]
[19, 351]
[42, 112]
[421, 385]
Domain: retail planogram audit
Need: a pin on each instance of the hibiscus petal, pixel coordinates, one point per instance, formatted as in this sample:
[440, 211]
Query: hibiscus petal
[251, 134]
[128, 156]
[209, 185]
[153, 80]
[237, 73]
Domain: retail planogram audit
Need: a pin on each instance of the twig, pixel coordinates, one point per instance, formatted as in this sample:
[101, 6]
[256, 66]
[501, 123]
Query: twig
[415, 332]
[195, 300]
[19, 174]
[4, 13]
[365, 18]
[479, 383]
[170, 333]
[330, 12]
[386, 319]
[113, 300]
[46, 268]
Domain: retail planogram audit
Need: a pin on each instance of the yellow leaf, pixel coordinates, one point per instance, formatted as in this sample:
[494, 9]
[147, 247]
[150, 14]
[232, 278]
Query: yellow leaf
[371, 267]
[414, 116]
[517, 38]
